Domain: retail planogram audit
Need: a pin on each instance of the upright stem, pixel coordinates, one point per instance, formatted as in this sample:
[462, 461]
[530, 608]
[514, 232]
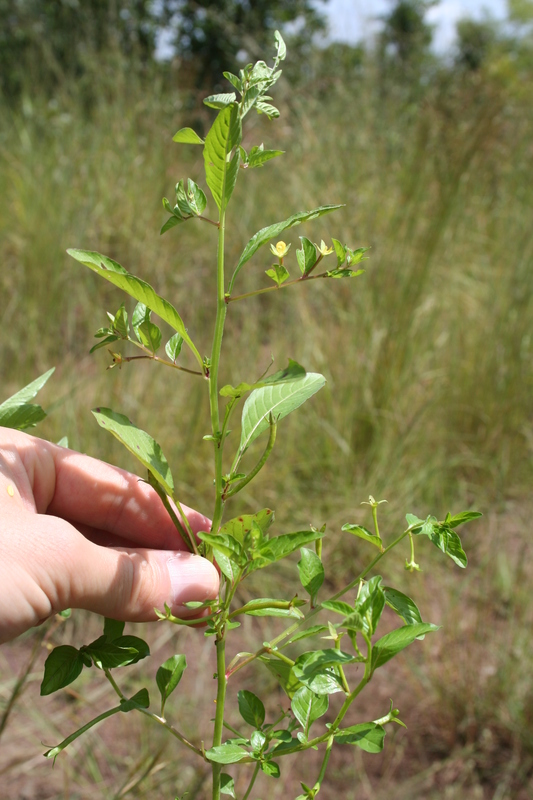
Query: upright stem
[213, 374]
[219, 715]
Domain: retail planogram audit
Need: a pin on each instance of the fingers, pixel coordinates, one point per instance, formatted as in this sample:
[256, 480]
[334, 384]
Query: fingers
[46, 565]
[55, 480]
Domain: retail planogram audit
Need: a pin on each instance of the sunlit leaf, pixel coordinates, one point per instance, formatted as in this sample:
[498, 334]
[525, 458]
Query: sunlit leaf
[139, 443]
[395, 641]
[17, 412]
[187, 136]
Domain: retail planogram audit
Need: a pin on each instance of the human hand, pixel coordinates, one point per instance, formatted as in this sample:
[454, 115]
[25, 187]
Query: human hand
[78, 533]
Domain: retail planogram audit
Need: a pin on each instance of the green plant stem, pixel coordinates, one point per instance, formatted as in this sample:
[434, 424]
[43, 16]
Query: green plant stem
[213, 375]
[375, 518]
[284, 604]
[219, 715]
[252, 781]
[160, 720]
[302, 279]
[211, 221]
[322, 773]
[259, 466]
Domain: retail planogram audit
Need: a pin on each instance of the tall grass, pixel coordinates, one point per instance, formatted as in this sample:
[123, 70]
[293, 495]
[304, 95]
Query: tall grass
[428, 356]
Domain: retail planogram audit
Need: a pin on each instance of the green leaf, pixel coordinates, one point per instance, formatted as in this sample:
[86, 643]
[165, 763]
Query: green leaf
[168, 676]
[226, 754]
[62, 667]
[120, 322]
[150, 335]
[228, 567]
[187, 136]
[292, 370]
[363, 533]
[138, 442]
[120, 652]
[370, 604]
[306, 256]
[281, 546]
[224, 135]
[266, 108]
[270, 768]
[170, 223]
[173, 347]
[280, 46]
[258, 156]
[234, 80]
[396, 641]
[402, 605]
[273, 231]
[140, 698]
[251, 708]
[443, 536]
[312, 631]
[103, 343]
[340, 252]
[367, 735]
[113, 629]
[277, 400]
[278, 273]
[137, 288]
[311, 571]
[460, 519]
[314, 669]
[272, 611]
[307, 707]
[239, 527]
[225, 544]
[344, 272]
[220, 100]
[227, 785]
[16, 412]
[283, 674]
[196, 198]
[338, 606]
[141, 313]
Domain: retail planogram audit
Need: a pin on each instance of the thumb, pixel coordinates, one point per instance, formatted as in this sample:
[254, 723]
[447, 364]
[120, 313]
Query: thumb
[127, 584]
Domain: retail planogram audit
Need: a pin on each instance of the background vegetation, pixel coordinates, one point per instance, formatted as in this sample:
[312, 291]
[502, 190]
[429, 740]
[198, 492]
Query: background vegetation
[428, 356]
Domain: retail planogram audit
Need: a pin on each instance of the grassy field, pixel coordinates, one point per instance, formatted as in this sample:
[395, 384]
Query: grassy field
[428, 357]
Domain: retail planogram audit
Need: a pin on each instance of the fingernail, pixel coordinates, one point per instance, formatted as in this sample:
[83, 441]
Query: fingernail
[192, 578]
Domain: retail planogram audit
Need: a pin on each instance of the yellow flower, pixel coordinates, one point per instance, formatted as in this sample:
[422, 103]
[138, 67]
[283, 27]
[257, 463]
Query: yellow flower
[324, 250]
[280, 249]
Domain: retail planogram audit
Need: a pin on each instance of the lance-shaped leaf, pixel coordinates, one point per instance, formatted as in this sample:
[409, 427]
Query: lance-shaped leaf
[120, 652]
[259, 156]
[277, 400]
[251, 708]
[138, 442]
[17, 412]
[363, 533]
[168, 676]
[281, 546]
[403, 606]
[224, 135]
[220, 100]
[460, 519]
[396, 641]
[272, 607]
[307, 707]
[62, 666]
[187, 136]
[136, 288]
[311, 571]
[306, 257]
[273, 231]
[367, 735]
[226, 754]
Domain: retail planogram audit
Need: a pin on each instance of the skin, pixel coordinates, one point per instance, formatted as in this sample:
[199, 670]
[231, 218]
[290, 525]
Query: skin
[78, 533]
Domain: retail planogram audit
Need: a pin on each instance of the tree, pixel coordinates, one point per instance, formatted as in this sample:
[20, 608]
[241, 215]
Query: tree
[475, 41]
[61, 37]
[406, 36]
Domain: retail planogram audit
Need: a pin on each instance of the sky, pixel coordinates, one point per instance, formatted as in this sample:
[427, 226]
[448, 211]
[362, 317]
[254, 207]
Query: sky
[353, 20]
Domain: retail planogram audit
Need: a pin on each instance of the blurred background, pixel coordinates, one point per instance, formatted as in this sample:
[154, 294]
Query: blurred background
[417, 115]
